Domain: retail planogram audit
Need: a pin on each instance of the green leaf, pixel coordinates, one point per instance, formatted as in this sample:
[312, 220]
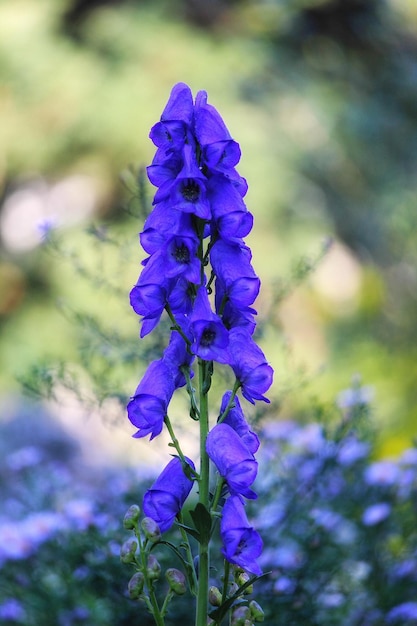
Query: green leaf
[191, 531]
[202, 522]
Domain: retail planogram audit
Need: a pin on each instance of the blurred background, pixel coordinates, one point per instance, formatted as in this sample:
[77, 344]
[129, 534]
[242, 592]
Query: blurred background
[322, 97]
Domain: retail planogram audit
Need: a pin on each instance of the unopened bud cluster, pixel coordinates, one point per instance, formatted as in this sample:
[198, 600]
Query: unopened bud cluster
[147, 534]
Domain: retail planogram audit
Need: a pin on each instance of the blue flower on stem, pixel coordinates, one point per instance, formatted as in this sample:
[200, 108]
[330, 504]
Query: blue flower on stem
[210, 335]
[249, 365]
[234, 461]
[237, 421]
[165, 499]
[242, 545]
[148, 407]
[194, 239]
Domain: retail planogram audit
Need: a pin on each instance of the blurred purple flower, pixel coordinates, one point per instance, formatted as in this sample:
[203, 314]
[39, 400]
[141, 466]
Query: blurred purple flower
[376, 513]
[383, 473]
[12, 610]
[403, 612]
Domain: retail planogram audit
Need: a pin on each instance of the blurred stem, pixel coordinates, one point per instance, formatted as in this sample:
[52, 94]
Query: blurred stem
[204, 558]
[151, 601]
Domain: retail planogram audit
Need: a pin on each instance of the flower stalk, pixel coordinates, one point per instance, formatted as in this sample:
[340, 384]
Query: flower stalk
[199, 274]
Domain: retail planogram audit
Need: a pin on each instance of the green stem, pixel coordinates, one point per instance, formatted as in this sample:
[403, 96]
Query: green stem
[151, 601]
[189, 555]
[204, 557]
[175, 326]
[176, 444]
[217, 494]
[230, 403]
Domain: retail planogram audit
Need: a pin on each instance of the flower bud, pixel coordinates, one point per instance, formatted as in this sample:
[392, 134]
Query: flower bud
[215, 596]
[128, 551]
[153, 569]
[131, 518]
[135, 585]
[241, 616]
[233, 589]
[257, 612]
[151, 529]
[241, 579]
[176, 581]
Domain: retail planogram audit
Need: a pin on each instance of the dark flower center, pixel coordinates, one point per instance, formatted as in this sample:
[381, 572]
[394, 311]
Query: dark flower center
[181, 253]
[207, 337]
[190, 190]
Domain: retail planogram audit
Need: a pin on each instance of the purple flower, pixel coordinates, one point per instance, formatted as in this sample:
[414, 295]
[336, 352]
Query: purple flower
[149, 300]
[177, 356]
[170, 133]
[232, 219]
[237, 285]
[242, 545]
[236, 420]
[162, 224]
[235, 463]
[148, 407]
[231, 263]
[249, 365]
[12, 610]
[164, 500]
[210, 335]
[376, 513]
[383, 473]
[220, 151]
[405, 611]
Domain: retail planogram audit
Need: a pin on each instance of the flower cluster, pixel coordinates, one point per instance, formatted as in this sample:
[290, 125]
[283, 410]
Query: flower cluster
[199, 272]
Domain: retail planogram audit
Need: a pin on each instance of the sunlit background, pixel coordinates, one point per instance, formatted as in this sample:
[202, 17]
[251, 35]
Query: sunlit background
[322, 97]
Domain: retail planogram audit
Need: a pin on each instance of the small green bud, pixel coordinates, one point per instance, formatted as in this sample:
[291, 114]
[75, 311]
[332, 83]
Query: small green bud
[243, 578]
[128, 551]
[241, 616]
[135, 585]
[257, 612]
[153, 569]
[176, 581]
[132, 517]
[151, 529]
[215, 597]
[233, 589]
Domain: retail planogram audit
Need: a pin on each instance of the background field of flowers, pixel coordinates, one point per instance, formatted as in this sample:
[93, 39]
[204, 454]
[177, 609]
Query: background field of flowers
[323, 97]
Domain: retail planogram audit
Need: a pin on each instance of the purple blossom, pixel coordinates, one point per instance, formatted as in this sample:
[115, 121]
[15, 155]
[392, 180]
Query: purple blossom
[235, 463]
[376, 513]
[148, 407]
[236, 281]
[210, 335]
[177, 356]
[149, 300]
[405, 611]
[170, 133]
[164, 500]
[237, 421]
[231, 217]
[382, 473]
[249, 365]
[242, 545]
[12, 610]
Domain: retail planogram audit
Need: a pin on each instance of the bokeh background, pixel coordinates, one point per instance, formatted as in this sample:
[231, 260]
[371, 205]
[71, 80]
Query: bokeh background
[322, 97]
